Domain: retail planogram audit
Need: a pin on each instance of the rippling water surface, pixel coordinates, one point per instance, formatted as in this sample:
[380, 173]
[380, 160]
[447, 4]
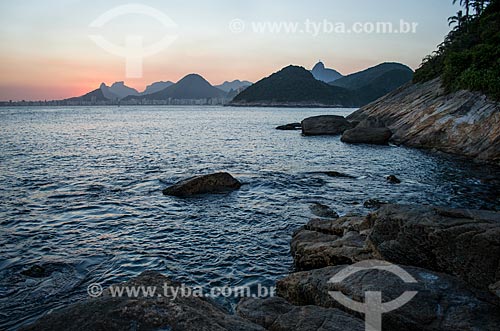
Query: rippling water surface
[80, 192]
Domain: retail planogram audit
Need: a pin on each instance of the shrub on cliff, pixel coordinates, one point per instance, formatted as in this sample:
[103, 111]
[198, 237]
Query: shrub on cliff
[469, 57]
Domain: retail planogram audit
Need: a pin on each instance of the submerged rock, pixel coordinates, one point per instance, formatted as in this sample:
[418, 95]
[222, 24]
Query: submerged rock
[337, 174]
[36, 271]
[291, 126]
[323, 211]
[374, 203]
[213, 183]
[143, 312]
[330, 242]
[442, 302]
[464, 243]
[393, 179]
[325, 125]
[278, 314]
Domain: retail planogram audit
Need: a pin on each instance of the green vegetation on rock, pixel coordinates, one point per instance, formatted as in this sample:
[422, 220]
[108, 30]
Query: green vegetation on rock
[469, 57]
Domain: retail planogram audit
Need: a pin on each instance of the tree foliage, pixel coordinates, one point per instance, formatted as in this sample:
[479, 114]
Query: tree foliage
[469, 57]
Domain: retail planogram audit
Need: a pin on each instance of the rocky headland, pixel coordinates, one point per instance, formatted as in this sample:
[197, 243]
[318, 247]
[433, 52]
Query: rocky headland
[424, 115]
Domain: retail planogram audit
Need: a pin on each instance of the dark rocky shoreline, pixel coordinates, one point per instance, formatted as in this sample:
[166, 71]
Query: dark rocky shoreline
[453, 254]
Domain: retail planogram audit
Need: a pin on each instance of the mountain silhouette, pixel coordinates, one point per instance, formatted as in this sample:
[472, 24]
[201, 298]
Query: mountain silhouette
[377, 81]
[121, 90]
[324, 74]
[156, 87]
[294, 85]
[235, 85]
[192, 86]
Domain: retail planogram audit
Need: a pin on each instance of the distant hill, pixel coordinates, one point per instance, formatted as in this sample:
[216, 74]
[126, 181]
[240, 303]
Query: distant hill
[324, 74]
[235, 85]
[121, 90]
[294, 86]
[366, 77]
[375, 82]
[156, 87]
[94, 96]
[106, 92]
[192, 86]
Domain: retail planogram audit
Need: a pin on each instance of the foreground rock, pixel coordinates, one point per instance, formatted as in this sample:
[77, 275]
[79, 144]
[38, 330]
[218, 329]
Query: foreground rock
[213, 183]
[443, 302]
[424, 115]
[325, 125]
[291, 126]
[276, 314]
[143, 313]
[330, 242]
[464, 243]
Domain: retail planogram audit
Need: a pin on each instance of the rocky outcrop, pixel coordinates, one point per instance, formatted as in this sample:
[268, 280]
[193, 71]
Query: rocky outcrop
[213, 183]
[143, 312]
[330, 242]
[325, 125]
[425, 116]
[464, 243]
[276, 314]
[442, 302]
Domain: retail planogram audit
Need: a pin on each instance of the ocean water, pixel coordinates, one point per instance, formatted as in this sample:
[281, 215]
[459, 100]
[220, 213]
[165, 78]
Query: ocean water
[80, 192]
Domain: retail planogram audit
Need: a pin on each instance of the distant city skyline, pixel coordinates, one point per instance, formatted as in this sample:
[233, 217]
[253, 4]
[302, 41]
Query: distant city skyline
[46, 51]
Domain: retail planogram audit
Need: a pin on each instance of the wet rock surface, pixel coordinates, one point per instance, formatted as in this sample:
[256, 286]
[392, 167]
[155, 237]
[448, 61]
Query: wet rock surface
[212, 183]
[464, 243]
[143, 313]
[330, 242]
[277, 314]
[443, 302]
[393, 179]
[323, 211]
[290, 127]
[374, 136]
[325, 125]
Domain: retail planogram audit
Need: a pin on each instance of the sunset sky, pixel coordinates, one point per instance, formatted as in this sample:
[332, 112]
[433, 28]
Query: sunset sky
[46, 52]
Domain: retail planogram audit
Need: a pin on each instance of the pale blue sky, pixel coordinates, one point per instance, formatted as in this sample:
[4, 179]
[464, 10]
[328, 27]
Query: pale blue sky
[46, 51]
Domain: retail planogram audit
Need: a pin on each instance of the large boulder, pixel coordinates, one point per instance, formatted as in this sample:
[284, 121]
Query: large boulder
[276, 314]
[323, 243]
[442, 302]
[144, 312]
[213, 183]
[363, 135]
[464, 243]
[325, 125]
